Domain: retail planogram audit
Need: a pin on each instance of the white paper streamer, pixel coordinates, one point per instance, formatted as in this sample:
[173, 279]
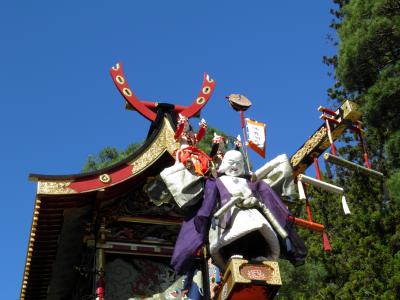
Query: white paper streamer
[345, 206]
[302, 194]
[323, 185]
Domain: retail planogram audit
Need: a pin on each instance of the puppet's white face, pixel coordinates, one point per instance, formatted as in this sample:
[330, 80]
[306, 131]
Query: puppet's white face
[232, 164]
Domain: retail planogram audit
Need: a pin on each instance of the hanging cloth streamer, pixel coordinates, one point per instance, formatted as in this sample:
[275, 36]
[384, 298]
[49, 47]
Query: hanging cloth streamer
[302, 193]
[345, 206]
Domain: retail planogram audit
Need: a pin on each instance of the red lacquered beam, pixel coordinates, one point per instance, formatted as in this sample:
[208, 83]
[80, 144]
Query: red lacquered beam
[307, 224]
[332, 119]
[308, 208]
[317, 169]
[327, 111]
[366, 160]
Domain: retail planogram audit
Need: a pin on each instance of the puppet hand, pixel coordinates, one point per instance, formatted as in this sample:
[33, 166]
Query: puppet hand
[203, 123]
[249, 202]
[182, 119]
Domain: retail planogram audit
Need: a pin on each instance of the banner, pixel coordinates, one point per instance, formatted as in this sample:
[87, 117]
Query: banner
[256, 136]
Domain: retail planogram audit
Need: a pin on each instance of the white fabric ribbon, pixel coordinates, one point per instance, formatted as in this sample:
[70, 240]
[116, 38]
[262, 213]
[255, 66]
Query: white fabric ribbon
[345, 206]
[302, 193]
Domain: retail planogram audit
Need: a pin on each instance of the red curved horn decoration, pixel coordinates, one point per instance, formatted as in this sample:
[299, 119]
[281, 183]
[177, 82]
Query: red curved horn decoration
[122, 85]
[205, 94]
[144, 108]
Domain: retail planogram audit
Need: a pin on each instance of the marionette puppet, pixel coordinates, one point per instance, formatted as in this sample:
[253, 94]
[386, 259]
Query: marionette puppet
[188, 153]
[249, 219]
[252, 220]
[184, 179]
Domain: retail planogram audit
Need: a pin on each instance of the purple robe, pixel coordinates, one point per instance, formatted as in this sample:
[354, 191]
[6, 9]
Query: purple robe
[194, 231]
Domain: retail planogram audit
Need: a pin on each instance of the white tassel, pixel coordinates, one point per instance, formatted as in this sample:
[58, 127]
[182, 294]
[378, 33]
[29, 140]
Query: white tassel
[345, 206]
[302, 194]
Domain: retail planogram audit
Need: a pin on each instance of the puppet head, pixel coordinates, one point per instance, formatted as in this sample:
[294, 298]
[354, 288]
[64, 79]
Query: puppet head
[232, 164]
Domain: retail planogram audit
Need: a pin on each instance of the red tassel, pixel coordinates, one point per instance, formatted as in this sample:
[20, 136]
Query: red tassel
[325, 241]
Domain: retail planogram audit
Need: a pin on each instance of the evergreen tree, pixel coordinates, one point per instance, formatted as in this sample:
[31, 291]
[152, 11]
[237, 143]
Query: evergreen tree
[107, 157]
[365, 261]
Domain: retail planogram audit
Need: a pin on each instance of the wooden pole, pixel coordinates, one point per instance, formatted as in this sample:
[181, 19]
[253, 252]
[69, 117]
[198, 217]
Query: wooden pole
[205, 273]
[100, 263]
[246, 152]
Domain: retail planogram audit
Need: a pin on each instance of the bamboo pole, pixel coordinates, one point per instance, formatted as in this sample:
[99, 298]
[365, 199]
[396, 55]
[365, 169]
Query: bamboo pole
[320, 184]
[352, 166]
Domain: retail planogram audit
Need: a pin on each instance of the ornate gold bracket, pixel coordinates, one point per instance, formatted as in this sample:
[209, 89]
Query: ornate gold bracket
[319, 141]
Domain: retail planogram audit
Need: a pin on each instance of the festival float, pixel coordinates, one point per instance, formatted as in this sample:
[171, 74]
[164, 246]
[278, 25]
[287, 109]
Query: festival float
[173, 222]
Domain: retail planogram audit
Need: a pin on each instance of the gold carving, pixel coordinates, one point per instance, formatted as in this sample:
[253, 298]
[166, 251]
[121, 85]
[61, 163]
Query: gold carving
[319, 141]
[309, 146]
[236, 265]
[276, 276]
[55, 187]
[164, 142]
[105, 178]
[350, 111]
[233, 275]
[256, 272]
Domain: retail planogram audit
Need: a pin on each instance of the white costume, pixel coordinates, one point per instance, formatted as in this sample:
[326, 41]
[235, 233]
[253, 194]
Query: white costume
[243, 221]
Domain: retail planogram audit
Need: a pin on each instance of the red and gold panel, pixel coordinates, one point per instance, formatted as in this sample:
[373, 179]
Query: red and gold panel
[163, 142]
[244, 280]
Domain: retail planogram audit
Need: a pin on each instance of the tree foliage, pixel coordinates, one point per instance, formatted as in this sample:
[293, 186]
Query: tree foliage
[369, 67]
[365, 260]
[111, 155]
[206, 143]
[107, 157]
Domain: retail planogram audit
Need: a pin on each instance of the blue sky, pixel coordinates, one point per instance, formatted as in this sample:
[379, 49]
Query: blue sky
[59, 104]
